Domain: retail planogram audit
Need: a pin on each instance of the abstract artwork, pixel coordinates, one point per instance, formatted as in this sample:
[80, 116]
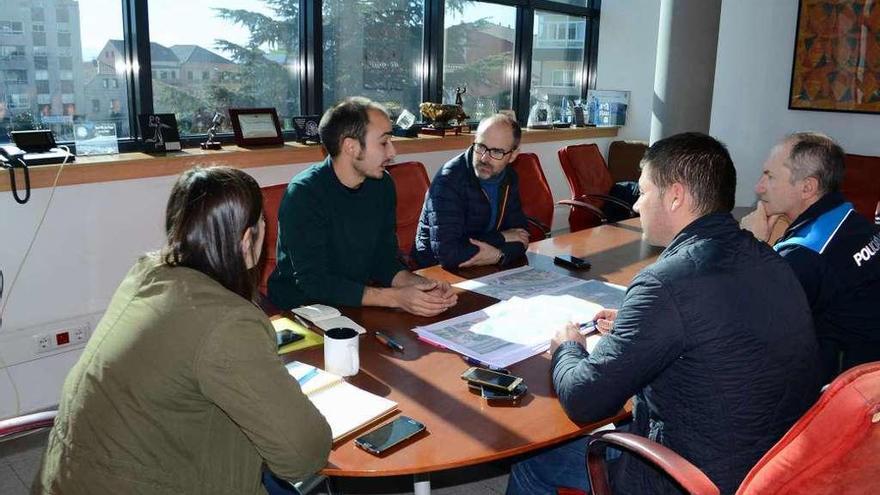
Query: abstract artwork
[837, 56]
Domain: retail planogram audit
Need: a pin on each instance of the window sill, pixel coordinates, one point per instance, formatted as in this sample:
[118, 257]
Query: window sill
[126, 166]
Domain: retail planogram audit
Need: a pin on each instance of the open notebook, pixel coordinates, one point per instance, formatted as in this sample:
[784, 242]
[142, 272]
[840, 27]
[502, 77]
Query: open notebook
[345, 407]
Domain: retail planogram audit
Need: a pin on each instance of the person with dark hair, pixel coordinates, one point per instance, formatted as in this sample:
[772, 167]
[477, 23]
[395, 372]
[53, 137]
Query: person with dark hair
[472, 213]
[834, 251]
[714, 372]
[337, 221]
[180, 388]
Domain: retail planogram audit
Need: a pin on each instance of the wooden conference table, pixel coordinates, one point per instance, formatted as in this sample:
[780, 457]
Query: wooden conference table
[424, 380]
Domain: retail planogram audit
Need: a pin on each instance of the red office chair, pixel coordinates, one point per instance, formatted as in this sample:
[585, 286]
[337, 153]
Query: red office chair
[537, 199]
[535, 195]
[590, 182]
[861, 183]
[411, 184]
[272, 196]
[24, 425]
[832, 449]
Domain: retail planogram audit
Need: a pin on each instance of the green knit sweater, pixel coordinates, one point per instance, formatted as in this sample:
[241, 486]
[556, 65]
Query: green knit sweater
[333, 240]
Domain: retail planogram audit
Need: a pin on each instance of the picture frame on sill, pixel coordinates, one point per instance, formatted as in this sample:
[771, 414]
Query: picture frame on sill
[256, 126]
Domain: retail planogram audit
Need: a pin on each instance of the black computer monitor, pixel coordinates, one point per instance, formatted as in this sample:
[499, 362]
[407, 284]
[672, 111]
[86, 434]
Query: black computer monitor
[37, 141]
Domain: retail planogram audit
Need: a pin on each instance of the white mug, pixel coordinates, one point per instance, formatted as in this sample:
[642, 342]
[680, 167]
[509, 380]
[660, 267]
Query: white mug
[341, 351]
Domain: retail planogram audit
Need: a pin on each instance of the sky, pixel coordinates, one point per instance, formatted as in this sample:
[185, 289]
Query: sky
[185, 22]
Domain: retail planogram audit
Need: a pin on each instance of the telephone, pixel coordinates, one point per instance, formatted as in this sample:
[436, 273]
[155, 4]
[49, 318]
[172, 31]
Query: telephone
[12, 157]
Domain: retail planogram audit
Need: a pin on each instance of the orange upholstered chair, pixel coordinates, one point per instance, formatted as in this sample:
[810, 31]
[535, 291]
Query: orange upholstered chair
[832, 449]
[535, 195]
[590, 182]
[861, 183]
[272, 196]
[411, 184]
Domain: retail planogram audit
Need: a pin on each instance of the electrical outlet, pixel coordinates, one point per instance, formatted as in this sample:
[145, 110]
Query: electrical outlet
[62, 339]
[44, 343]
[80, 334]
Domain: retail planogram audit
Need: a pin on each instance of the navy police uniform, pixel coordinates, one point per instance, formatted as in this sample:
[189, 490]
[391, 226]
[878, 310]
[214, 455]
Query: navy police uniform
[835, 253]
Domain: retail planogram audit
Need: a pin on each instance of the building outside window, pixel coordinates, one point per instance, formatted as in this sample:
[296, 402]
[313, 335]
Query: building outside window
[374, 49]
[557, 61]
[478, 55]
[241, 66]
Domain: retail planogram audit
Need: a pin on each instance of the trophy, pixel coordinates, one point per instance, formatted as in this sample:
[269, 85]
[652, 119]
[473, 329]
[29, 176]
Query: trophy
[216, 122]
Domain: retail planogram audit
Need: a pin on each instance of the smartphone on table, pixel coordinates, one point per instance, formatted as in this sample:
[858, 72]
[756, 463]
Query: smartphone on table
[389, 435]
[491, 379]
[572, 262]
[497, 395]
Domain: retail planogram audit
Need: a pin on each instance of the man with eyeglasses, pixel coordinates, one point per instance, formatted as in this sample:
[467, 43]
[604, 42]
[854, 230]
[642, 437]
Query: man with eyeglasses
[472, 214]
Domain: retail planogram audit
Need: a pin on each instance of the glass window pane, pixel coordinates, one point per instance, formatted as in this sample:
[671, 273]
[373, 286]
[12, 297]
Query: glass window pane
[373, 48]
[48, 60]
[579, 3]
[557, 61]
[478, 55]
[245, 54]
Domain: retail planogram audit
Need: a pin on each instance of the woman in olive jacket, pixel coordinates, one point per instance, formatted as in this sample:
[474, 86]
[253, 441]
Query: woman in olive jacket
[180, 389]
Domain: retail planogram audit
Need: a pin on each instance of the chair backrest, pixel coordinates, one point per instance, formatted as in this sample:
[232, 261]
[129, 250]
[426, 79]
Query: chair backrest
[861, 183]
[272, 196]
[624, 158]
[534, 193]
[833, 448]
[411, 184]
[587, 173]
[22, 425]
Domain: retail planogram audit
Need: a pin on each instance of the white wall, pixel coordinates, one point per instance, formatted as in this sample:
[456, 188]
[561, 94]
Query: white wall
[750, 102]
[627, 57]
[91, 236]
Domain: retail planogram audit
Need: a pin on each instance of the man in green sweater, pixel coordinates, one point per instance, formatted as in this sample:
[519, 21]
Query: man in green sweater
[336, 224]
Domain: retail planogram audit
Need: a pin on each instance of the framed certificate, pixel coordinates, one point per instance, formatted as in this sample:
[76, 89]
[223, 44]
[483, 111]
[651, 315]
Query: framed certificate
[256, 126]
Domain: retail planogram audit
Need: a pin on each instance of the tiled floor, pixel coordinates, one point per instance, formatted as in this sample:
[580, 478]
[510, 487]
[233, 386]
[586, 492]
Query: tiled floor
[20, 459]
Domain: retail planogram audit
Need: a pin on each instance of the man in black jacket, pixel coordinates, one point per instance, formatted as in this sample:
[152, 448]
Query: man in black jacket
[834, 251]
[718, 374]
[472, 214]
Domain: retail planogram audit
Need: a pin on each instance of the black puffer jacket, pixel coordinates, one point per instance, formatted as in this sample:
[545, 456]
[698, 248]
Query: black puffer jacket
[456, 209]
[716, 342]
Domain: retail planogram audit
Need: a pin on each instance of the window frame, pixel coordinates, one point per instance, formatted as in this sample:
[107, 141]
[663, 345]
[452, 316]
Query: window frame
[136, 50]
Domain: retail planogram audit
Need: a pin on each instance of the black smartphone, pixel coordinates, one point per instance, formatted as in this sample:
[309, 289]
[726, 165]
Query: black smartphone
[288, 336]
[492, 379]
[492, 394]
[389, 435]
[572, 262]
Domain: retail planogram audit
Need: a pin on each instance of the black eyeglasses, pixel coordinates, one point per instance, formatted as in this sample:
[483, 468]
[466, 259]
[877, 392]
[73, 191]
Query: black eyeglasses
[496, 153]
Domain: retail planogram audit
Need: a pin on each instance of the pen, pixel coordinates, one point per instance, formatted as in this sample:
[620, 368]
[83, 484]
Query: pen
[302, 321]
[308, 376]
[477, 362]
[587, 328]
[388, 341]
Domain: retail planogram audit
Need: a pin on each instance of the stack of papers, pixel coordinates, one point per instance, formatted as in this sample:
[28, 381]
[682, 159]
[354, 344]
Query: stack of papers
[509, 331]
[535, 304]
[345, 407]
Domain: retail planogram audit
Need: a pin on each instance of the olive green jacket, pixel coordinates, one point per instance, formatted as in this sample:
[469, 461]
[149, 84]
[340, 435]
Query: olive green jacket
[180, 390]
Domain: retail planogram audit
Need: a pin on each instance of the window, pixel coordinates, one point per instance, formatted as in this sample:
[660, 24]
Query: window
[189, 75]
[19, 100]
[38, 14]
[373, 49]
[43, 87]
[41, 62]
[39, 38]
[96, 106]
[66, 75]
[105, 83]
[65, 63]
[478, 55]
[15, 76]
[67, 87]
[265, 56]
[10, 27]
[41, 75]
[38, 28]
[11, 52]
[63, 27]
[62, 14]
[63, 39]
[557, 61]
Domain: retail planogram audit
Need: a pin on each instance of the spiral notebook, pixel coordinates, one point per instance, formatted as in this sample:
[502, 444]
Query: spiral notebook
[345, 407]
